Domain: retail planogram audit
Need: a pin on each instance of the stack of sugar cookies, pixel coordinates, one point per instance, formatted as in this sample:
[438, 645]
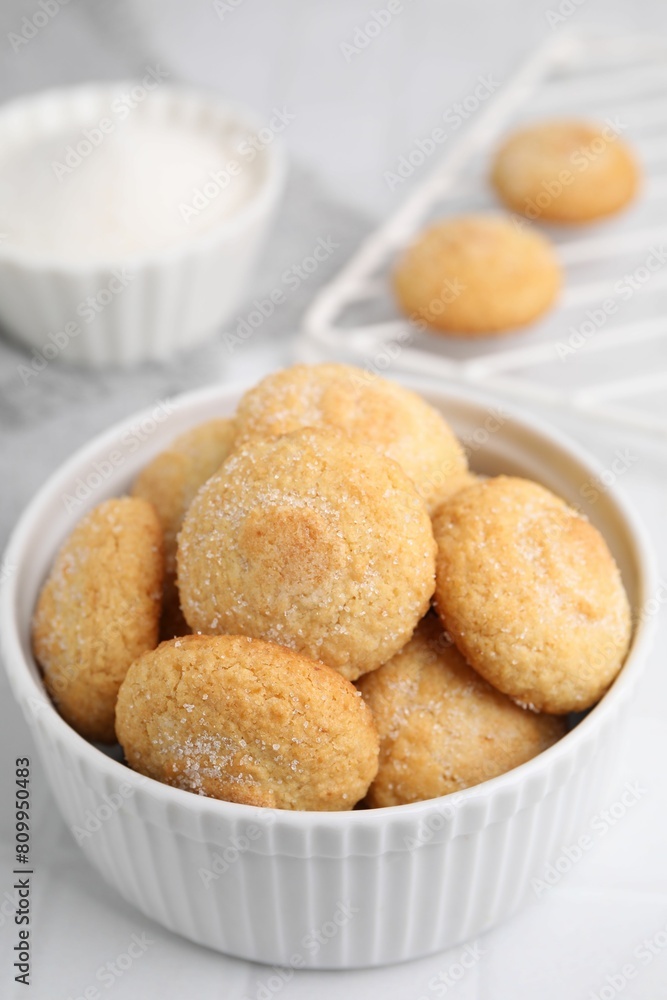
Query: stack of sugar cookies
[348, 612]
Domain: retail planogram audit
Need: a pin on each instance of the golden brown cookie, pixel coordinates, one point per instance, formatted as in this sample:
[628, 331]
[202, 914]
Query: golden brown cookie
[247, 721]
[530, 593]
[313, 541]
[565, 171]
[390, 418]
[99, 610]
[441, 726]
[476, 275]
[170, 483]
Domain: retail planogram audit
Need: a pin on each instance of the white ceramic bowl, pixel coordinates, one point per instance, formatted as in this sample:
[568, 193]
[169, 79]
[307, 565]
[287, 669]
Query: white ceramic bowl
[322, 890]
[146, 305]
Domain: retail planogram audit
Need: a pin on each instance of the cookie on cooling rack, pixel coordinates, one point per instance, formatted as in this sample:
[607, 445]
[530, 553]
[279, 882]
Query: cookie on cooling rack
[565, 171]
[477, 274]
[313, 541]
[247, 721]
[530, 593]
[441, 726]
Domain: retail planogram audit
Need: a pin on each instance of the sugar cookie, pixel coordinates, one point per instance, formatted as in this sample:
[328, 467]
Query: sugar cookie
[442, 728]
[99, 610]
[313, 541]
[530, 593]
[390, 418]
[476, 275]
[247, 721]
[565, 171]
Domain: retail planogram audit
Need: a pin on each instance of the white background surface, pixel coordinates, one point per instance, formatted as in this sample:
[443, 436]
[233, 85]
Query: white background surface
[352, 122]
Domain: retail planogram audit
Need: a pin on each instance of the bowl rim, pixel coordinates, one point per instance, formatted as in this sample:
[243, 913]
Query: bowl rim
[25, 686]
[259, 203]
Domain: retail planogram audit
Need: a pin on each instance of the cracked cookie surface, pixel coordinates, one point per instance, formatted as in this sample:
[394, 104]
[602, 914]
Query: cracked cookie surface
[247, 721]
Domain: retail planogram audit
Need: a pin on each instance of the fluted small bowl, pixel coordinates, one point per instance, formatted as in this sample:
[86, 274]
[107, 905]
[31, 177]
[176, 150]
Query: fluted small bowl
[324, 890]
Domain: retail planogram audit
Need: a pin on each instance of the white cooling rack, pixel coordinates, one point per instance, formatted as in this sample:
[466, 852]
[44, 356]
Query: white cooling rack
[618, 370]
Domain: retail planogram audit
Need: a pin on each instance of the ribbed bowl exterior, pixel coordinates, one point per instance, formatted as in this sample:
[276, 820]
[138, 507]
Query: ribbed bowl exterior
[326, 890]
[146, 308]
[377, 893]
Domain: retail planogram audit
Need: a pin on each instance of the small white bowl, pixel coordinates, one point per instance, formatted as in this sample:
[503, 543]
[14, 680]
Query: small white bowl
[323, 890]
[174, 297]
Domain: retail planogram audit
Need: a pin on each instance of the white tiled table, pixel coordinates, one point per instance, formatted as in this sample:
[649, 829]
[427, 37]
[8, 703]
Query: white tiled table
[353, 121]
